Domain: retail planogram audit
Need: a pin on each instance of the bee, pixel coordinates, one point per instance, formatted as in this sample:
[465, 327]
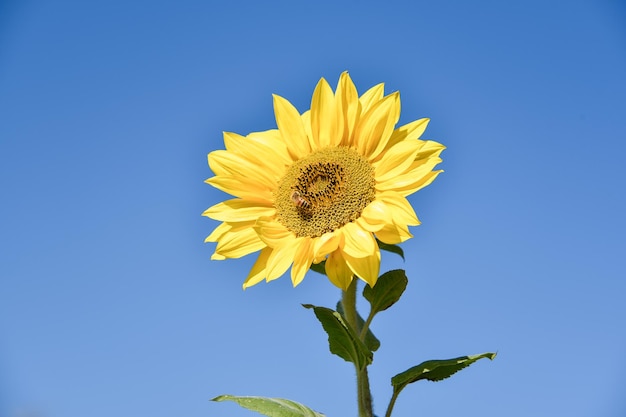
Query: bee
[298, 200]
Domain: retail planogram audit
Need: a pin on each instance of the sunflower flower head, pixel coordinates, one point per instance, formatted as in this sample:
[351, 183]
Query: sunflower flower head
[323, 186]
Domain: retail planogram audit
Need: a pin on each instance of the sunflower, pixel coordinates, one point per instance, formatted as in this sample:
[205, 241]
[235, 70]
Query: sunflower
[322, 187]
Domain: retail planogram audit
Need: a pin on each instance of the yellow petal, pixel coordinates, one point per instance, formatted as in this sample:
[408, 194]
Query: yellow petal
[357, 242]
[239, 210]
[326, 244]
[393, 234]
[348, 105]
[401, 210]
[233, 141]
[337, 134]
[365, 268]
[324, 123]
[396, 160]
[409, 131]
[257, 273]
[269, 139]
[413, 130]
[302, 261]
[375, 126]
[338, 271]
[247, 188]
[273, 233]
[241, 243]
[217, 166]
[264, 148]
[281, 258]
[408, 188]
[226, 227]
[226, 163]
[291, 128]
[412, 180]
[429, 149]
[375, 216]
[371, 96]
[218, 232]
[306, 121]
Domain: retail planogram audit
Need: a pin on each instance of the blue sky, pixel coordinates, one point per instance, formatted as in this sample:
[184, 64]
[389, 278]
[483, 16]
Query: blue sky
[110, 304]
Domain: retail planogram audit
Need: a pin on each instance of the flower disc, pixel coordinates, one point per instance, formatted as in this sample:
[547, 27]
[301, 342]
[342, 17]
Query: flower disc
[331, 187]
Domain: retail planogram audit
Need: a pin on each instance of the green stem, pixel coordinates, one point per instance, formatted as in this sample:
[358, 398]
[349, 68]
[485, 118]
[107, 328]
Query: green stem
[392, 402]
[348, 301]
[363, 383]
[366, 326]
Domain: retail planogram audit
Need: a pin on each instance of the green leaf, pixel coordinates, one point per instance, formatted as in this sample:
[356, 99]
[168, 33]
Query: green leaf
[342, 339]
[272, 407]
[435, 370]
[387, 290]
[391, 248]
[371, 341]
[320, 268]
